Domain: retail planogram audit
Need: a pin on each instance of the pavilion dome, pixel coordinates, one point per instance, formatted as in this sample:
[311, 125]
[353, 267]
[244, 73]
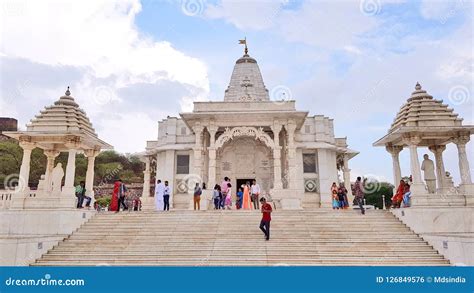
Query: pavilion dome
[246, 82]
[64, 117]
[421, 110]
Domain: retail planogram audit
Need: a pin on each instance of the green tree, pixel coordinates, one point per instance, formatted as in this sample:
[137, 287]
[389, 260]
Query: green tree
[109, 165]
[375, 192]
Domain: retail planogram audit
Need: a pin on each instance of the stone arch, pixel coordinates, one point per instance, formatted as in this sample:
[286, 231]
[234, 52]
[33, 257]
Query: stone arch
[231, 133]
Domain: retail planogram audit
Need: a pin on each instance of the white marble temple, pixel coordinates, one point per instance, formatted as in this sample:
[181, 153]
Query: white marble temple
[250, 136]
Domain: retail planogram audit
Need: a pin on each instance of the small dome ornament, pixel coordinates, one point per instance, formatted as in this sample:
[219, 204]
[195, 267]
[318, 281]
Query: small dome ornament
[68, 92]
[417, 86]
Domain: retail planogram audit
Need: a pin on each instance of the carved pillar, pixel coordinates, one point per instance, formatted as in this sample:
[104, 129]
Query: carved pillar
[70, 172]
[146, 178]
[277, 183]
[212, 156]
[397, 174]
[464, 170]
[291, 128]
[24, 175]
[198, 130]
[72, 143]
[440, 172]
[412, 143]
[347, 176]
[22, 189]
[91, 155]
[51, 156]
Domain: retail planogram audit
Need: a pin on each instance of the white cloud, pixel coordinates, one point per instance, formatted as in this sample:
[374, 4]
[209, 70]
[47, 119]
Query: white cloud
[100, 39]
[255, 15]
[441, 10]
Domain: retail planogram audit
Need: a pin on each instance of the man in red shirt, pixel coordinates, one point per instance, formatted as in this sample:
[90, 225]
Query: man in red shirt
[266, 218]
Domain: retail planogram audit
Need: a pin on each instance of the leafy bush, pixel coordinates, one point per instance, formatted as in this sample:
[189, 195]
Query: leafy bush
[104, 201]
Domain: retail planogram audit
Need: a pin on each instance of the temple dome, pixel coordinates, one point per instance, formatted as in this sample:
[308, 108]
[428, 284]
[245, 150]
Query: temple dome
[421, 110]
[64, 117]
[246, 82]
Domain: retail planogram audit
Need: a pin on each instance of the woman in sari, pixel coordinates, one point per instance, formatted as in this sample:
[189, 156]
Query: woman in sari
[335, 198]
[342, 194]
[114, 202]
[247, 202]
[398, 197]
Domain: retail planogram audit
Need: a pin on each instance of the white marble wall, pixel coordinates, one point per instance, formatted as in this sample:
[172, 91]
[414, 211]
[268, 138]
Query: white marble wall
[453, 226]
[327, 175]
[25, 235]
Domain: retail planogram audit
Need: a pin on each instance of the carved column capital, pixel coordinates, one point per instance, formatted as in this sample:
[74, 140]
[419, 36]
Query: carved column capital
[91, 153]
[461, 140]
[51, 153]
[411, 140]
[27, 146]
[276, 128]
[198, 129]
[394, 150]
[437, 148]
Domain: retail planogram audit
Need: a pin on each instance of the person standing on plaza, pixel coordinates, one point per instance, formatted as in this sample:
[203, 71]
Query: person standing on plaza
[121, 196]
[247, 204]
[224, 186]
[334, 197]
[228, 197]
[240, 195]
[166, 197]
[342, 195]
[255, 190]
[159, 195]
[216, 196]
[359, 194]
[266, 218]
[197, 196]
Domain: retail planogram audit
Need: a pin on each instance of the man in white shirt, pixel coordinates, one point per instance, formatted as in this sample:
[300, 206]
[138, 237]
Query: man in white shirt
[255, 191]
[166, 197]
[159, 194]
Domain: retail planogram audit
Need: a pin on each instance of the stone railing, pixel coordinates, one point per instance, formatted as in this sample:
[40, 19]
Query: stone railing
[5, 199]
[7, 195]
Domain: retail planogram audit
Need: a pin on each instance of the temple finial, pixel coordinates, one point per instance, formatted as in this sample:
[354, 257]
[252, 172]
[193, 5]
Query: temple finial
[417, 86]
[244, 42]
[68, 93]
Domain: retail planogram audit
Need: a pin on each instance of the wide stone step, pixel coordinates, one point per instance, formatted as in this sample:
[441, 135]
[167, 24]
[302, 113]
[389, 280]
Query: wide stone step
[217, 238]
[256, 262]
[226, 253]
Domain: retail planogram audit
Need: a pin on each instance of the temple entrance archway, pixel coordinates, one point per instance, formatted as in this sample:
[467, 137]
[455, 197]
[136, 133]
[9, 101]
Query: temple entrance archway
[246, 158]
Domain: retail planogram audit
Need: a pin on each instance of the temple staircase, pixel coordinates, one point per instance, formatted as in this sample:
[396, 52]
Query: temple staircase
[232, 238]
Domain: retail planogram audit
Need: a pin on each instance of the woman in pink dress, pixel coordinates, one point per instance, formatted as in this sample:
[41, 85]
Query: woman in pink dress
[247, 203]
[228, 197]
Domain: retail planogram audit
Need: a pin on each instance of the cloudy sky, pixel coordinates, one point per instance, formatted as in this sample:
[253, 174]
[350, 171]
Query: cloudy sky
[132, 63]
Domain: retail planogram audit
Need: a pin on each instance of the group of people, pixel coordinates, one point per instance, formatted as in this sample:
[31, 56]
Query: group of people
[246, 196]
[403, 195]
[162, 195]
[119, 198]
[339, 196]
